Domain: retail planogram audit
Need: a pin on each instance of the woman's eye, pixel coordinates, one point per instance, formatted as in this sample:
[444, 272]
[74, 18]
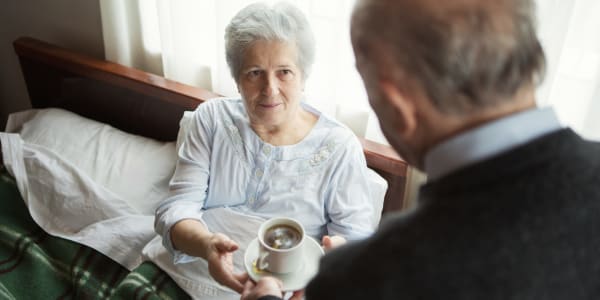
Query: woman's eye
[253, 74]
[286, 73]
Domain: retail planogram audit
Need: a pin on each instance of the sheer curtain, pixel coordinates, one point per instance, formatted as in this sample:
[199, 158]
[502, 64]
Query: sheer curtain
[570, 34]
[183, 40]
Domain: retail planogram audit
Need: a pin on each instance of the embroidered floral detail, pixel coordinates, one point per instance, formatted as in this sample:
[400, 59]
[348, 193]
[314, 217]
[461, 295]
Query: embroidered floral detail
[236, 139]
[322, 155]
[234, 133]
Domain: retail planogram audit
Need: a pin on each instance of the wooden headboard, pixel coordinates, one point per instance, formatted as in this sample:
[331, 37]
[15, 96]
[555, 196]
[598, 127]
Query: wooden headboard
[146, 104]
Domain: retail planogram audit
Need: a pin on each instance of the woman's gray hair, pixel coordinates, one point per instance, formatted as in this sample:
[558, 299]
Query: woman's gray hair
[279, 22]
[466, 55]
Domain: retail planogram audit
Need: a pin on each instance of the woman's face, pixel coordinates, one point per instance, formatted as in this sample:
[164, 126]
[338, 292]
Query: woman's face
[271, 82]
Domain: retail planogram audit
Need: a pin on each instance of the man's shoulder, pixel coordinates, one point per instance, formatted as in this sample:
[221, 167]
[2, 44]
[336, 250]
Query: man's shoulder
[379, 267]
[545, 159]
[561, 144]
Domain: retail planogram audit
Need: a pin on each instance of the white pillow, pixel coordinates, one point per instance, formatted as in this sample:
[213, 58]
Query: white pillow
[134, 167]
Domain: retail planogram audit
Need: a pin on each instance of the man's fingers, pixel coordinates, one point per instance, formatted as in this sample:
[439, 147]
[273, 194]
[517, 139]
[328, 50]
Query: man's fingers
[298, 295]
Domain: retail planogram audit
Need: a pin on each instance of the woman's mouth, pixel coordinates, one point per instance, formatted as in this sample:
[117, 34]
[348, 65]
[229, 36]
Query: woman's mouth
[269, 106]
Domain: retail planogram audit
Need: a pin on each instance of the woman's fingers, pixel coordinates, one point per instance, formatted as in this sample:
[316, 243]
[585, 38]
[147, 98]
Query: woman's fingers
[232, 281]
[326, 241]
[242, 277]
[247, 290]
[221, 269]
[330, 242]
[223, 243]
[236, 281]
[220, 262]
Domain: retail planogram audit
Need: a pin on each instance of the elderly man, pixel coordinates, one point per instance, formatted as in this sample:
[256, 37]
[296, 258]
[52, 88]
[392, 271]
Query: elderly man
[511, 207]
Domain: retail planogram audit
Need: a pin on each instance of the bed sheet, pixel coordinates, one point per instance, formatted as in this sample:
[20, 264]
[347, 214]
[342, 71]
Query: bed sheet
[66, 203]
[36, 265]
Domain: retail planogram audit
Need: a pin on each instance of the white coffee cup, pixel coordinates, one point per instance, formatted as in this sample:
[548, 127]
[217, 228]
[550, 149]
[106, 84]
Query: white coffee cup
[280, 245]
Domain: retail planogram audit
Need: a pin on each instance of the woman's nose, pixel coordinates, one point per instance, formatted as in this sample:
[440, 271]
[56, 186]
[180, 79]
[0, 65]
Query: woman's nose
[271, 87]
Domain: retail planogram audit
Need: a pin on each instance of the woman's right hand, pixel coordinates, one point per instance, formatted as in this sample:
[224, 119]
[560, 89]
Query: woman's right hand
[331, 242]
[191, 237]
[219, 255]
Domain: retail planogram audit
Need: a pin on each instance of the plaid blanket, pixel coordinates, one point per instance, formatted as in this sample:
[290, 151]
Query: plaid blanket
[35, 265]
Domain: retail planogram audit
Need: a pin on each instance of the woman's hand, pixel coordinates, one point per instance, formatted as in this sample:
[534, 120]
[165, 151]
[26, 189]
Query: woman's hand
[330, 242]
[191, 237]
[219, 255]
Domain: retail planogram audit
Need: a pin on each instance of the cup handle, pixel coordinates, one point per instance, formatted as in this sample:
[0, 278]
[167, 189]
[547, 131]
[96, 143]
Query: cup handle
[261, 263]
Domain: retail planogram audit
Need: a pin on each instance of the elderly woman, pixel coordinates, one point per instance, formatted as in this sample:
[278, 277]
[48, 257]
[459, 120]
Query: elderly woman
[267, 154]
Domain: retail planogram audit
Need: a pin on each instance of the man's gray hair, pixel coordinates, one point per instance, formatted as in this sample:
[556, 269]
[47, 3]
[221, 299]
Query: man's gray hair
[466, 55]
[279, 22]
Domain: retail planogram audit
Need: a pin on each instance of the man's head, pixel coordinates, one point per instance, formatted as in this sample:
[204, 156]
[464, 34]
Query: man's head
[434, 68]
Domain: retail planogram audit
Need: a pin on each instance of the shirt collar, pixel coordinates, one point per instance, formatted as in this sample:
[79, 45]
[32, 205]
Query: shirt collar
[489, 140]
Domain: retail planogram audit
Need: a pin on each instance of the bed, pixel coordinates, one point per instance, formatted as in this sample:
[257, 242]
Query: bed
[35, 264]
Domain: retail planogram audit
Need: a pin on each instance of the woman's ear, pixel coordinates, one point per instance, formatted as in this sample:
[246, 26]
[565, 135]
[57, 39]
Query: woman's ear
[404, 108]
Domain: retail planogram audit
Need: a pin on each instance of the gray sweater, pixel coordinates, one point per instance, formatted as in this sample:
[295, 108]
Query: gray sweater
[522, 225]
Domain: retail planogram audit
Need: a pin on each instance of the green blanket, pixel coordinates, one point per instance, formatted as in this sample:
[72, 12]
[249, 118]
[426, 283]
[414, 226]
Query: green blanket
[35, 265]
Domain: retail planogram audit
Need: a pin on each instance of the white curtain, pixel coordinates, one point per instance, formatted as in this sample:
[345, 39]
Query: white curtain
[570, 34]
[183, 40]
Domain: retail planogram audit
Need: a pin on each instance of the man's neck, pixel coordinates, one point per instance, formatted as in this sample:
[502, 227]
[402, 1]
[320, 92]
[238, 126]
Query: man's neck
[443, 126]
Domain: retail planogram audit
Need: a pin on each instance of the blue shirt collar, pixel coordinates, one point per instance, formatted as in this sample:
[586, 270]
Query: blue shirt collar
[489, 140]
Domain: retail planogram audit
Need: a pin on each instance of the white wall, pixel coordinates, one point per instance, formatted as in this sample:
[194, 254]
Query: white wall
[73, 24]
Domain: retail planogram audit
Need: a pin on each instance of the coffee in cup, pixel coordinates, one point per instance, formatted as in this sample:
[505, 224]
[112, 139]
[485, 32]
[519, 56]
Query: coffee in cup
[282, 236]
[280, 243]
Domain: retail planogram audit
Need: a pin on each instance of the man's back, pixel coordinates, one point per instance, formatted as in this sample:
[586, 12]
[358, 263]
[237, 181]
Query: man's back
[522, 225]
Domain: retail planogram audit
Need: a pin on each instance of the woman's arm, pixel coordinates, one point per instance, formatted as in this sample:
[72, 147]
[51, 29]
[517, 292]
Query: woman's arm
[349, 206]
[187, 189]
[178, 218]
[191, 237]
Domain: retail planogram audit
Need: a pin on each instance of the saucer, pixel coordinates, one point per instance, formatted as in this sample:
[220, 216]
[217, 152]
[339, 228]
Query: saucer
[291, 281]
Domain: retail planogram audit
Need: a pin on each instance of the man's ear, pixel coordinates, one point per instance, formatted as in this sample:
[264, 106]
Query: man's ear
[404, 106]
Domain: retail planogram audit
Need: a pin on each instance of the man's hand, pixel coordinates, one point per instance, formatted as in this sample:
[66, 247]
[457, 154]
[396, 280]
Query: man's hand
[330, 242]
[219, 255]
[265, 286]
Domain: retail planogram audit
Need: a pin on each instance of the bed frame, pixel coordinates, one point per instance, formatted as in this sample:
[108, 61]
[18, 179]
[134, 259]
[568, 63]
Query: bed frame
[146, 104]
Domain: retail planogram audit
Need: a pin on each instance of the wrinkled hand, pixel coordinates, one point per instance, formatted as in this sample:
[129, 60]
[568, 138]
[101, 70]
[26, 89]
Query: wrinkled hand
[265, 286]
[330, 242]
[220, 262]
